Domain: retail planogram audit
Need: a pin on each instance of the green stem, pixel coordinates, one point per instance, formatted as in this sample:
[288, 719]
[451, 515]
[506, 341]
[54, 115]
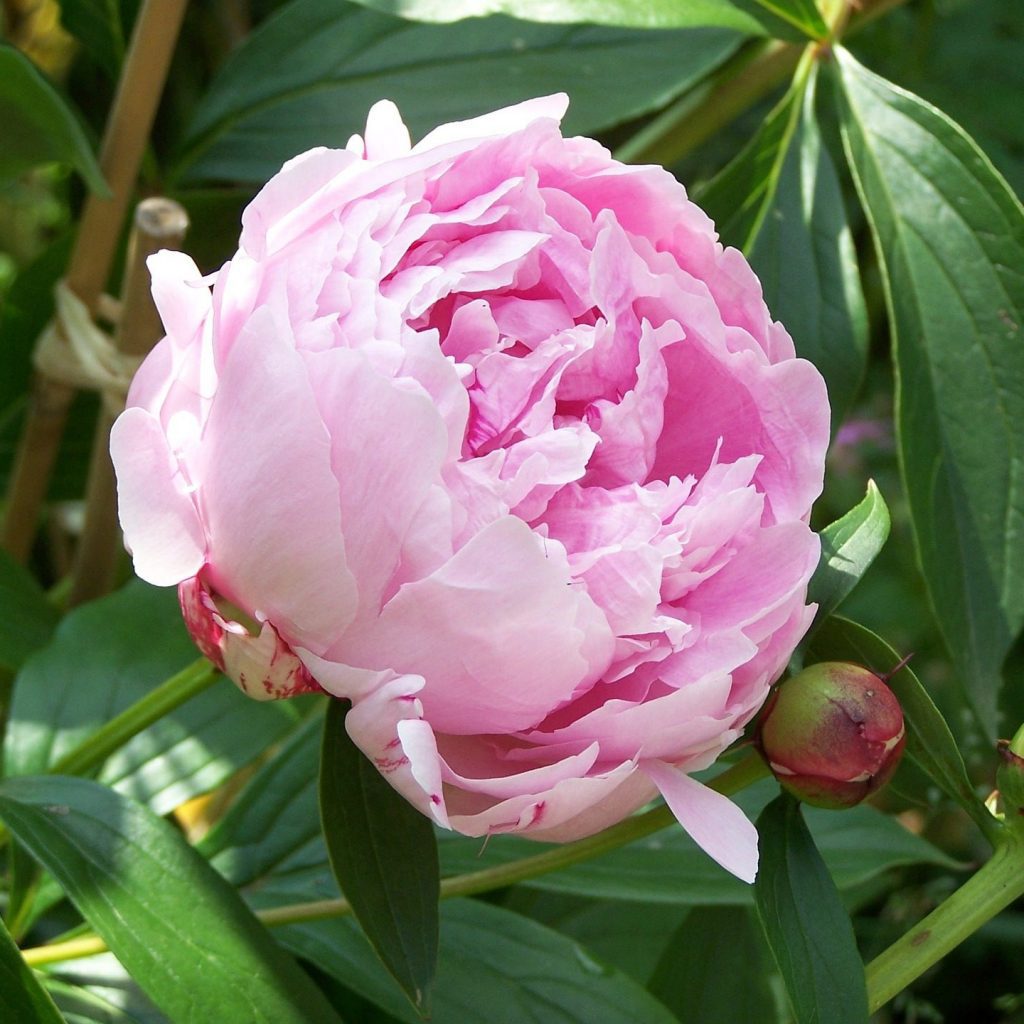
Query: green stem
[170, 694]
[741, 81]
[97, 747]
[991, 889]
[747, 77]
[732, 780]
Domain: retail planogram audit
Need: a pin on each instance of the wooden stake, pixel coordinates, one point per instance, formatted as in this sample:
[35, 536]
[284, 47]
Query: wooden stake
[124, 142]
[159, 224]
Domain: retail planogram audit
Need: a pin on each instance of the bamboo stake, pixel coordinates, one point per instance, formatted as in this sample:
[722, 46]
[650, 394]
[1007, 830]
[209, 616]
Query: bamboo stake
[124, 142]
[159, 224]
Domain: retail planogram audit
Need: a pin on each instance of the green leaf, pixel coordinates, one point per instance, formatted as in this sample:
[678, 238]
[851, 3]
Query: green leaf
[780, 201]
[808, 931]
[929, 742]
[714, 970]
[309, 74]
[39, 126]
[763, 17]
[739, 197]
[28, 618]
[950, 240]
[275, 817]
[384, 856]
[178, 928]
[848, 547]
[632, 936]
[105, 656]
[22, 998]
[496, 967]
[98, 25]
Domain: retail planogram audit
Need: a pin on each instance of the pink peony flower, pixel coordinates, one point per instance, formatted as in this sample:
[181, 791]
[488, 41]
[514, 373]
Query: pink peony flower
[490, 436]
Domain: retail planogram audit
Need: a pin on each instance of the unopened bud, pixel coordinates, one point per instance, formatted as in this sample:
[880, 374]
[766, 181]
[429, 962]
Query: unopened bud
[833, 734]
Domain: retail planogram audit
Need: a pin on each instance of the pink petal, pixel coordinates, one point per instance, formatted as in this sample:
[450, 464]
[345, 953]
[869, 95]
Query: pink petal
[713, 821]
[733, 404]
[493, 632]
[158, 515]
[270, 499]
[498, 123]
[570, 809]
[181, 298]
[386, 135]
[379, 497]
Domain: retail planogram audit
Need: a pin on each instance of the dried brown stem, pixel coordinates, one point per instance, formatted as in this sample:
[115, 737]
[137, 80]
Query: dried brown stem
[159, 224]
[124, 142]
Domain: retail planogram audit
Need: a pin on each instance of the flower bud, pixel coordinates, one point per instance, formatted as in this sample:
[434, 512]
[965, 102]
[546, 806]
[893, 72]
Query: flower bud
[832, 734]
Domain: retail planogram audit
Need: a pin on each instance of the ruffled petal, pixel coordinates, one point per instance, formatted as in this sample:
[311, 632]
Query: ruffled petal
[493, 632]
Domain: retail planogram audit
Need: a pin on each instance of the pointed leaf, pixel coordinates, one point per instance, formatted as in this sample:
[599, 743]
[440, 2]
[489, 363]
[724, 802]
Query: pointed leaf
[178, 928]
[950, 239]
[22, 998]
[714, 970]
[780, 201]
[496, 967]
[384, 855]
[848, 547]
[97, 24]
[740, 195]
[39, 126]
[309, 74]
[808, 931]
[929, 742]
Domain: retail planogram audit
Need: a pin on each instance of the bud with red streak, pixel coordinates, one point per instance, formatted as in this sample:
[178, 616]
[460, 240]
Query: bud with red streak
[833, 734]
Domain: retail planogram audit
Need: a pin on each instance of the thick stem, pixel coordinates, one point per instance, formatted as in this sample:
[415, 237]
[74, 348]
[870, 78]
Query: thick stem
[128, 126]
[701, 113]
[991, 889]
[189, 682]
[732, 780]
[93, 751]
[741, 82]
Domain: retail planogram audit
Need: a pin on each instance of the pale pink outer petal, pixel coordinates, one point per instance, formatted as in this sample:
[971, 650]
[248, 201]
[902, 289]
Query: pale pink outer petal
[506, 121]
[713, 821]
[269, 497]
[493, 631]
[181, 299]
[386, 135]
[281, 210]
[161, 525]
